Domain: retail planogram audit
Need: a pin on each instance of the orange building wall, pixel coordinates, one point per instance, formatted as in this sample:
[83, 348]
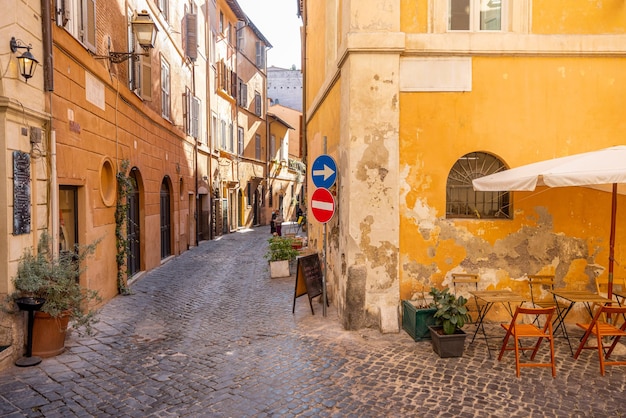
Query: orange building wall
[522, 110]
[126, 129]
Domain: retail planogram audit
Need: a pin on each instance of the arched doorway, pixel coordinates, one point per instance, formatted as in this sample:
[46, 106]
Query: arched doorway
[133, 228]
[166, 242]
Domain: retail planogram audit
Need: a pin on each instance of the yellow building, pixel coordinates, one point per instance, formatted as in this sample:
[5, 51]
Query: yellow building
[414, 99]
[287, 171]
[24, 123]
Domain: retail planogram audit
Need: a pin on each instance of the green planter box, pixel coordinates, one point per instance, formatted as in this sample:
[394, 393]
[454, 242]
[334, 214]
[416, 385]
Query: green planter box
[416, 321]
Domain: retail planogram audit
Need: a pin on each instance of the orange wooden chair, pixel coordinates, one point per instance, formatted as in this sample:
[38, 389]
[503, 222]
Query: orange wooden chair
[520, 330]
[601, 329]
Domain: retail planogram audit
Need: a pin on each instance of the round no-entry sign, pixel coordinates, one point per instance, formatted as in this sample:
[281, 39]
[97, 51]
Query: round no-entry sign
[322, 205]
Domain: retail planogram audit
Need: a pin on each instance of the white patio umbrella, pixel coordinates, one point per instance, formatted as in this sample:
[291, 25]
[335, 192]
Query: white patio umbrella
[604, 169]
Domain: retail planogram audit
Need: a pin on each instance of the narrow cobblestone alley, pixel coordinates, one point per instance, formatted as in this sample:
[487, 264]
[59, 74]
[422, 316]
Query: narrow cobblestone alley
[209, 334]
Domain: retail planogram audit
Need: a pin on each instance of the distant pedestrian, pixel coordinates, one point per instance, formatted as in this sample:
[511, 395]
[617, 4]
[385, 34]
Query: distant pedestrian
[278, 223]
[273, 223]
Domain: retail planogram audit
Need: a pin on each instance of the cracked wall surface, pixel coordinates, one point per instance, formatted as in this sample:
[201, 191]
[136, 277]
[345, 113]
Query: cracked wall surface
[396, 136]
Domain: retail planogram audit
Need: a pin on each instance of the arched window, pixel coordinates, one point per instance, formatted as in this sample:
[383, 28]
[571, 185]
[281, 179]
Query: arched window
[461, 199]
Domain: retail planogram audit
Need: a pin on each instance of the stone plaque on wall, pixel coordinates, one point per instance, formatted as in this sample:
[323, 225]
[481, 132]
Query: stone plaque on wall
[21, 193]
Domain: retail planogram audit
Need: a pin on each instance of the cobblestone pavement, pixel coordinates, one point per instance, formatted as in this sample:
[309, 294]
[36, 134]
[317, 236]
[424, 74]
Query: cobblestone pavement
[209, 334]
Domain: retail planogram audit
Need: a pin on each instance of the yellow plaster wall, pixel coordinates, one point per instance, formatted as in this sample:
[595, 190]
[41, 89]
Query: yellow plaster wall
[414, 16]
[579, 17]
[316, 52]
[324, 123]
[547, 107]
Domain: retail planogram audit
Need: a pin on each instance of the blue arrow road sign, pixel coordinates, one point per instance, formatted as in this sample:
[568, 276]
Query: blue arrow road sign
[324, 171]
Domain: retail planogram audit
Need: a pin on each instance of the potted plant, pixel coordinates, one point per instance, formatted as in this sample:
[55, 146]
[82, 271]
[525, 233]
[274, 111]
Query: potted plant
[55, 279]
[417, 316]
[279, 253]
[448, 339]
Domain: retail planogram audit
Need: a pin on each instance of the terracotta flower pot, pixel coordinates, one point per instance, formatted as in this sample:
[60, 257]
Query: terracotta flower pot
[49, 334]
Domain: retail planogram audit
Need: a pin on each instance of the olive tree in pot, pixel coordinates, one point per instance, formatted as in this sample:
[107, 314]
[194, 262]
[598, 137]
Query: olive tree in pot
[55, 279]
[280, 252]
[447, 337]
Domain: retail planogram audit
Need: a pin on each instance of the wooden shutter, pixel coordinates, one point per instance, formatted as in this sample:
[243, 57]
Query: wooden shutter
[191, 36]
[195, 117]
[146, 78]
[88, 24]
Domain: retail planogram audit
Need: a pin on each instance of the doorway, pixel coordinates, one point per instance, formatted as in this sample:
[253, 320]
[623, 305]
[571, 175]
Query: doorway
[166, 241]
[133, 232]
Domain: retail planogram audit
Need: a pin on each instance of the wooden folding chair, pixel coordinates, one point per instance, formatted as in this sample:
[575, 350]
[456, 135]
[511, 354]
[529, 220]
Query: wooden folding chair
[520, 330]
[461, 284]
[540, 286]
[602, 286]
[602, 329]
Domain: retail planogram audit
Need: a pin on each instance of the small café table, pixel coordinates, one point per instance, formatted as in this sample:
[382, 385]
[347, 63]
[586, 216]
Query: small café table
[489, 298]
[585, 297]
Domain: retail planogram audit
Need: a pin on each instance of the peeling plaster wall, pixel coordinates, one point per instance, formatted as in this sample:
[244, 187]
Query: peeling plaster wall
[561, 231]
[368, 187]
[524, 97]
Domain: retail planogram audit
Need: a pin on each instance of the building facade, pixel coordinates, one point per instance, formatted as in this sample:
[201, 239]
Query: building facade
[414, 99]
[287, 172]
[150, 141]
[24, 124]
[284, 87]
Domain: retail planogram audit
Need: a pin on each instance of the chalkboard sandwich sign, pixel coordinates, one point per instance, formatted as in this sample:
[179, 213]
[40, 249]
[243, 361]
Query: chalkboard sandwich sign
[309, 279]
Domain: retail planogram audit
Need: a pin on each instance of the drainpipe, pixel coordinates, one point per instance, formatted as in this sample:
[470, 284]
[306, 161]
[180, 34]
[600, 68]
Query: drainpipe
[54, 193]
[207, 82]
[46, 34]
[48, 78]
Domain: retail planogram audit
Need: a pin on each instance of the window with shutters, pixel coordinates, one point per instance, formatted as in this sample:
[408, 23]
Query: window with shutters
[242, 94]
[164, 7]
[139, 67]
[195, 117]
[272, 147]
[260, 55]
[240, 138]
[214, 131]
[231, 138]
[257, 146]
[78, 17]
[241, 40]
[190, 28]
[258, 105]
[223, 135]
[226, 79]
[165, 90]
[191, 113]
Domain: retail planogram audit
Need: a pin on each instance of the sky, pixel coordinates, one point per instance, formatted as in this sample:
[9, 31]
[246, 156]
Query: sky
[279, 23]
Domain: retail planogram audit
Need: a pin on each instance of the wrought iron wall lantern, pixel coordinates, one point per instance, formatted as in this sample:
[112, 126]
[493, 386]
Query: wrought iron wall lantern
[27, 62]
[144, 31]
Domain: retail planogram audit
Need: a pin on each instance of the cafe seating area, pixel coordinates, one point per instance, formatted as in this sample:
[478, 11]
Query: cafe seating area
[540, 316]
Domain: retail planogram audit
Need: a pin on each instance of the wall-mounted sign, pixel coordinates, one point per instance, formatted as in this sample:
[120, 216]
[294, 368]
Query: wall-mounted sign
[322, 205]
[324, 171]
[21, 193]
